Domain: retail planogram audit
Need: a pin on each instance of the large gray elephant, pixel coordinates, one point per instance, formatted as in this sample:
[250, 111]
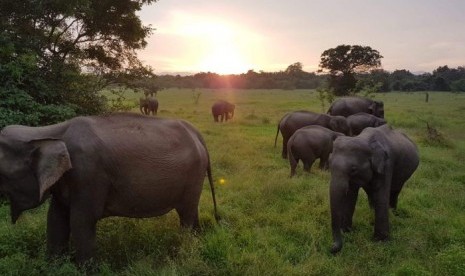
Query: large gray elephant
[347, 106]
[223, 109]
[92, 171]
[292, 121]
[310, 143]
[360, 121]
[148, 105]
[379, 160]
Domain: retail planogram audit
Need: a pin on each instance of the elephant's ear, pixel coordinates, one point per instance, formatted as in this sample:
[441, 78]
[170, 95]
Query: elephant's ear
[379, 157]
[50, 161]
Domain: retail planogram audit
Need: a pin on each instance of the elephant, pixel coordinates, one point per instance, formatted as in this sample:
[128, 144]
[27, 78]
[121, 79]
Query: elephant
[347, 106]
[223, 109]
[91, 170]
[148, 105]
[360, 121]
[308, 144]
[292, 121]
[379, 160]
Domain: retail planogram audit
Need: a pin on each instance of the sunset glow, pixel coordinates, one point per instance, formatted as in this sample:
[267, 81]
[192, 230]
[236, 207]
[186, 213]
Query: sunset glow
[211, 45]
[219, 49]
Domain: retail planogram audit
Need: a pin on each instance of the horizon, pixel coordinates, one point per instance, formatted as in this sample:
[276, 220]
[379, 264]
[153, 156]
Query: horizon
[184, 74]
[232, 38]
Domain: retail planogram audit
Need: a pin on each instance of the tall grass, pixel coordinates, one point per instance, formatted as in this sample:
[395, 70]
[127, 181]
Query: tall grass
[272, 224]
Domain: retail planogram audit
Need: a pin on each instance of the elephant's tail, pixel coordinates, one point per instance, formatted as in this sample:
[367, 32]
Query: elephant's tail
[212, 187]
[276, 138]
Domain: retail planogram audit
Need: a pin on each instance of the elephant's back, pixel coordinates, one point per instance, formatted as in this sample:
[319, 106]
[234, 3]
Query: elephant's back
[347, 106]
[315, 136]
[135, 143]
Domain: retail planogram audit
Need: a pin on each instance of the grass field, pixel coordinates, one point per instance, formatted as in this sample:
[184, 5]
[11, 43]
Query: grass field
[271, 224]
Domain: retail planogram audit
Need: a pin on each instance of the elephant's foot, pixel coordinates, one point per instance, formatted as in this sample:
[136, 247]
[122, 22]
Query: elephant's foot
[335, 248]
[380, 237]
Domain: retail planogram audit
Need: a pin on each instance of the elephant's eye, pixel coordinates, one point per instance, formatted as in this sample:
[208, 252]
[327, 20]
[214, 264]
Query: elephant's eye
[353, 170]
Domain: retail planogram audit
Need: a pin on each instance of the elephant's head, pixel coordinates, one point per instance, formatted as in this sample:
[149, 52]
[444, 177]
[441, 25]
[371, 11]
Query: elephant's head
[353, 164]
[230, 110]
[377, 108]
[29, 169]
[339, 124]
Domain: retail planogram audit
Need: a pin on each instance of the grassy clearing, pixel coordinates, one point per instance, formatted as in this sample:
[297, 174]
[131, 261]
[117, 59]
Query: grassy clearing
[274, 225]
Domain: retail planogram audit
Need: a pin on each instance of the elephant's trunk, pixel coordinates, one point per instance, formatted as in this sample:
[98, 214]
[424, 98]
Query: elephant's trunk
[338, 192]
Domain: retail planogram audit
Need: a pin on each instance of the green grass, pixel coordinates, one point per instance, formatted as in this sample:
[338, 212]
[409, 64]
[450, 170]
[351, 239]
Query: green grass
[271, 224]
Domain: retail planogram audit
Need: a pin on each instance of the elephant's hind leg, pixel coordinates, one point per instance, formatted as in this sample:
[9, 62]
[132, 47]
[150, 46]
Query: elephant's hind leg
[308, 162]
[324, 164]
[188, 217]
[188, 209]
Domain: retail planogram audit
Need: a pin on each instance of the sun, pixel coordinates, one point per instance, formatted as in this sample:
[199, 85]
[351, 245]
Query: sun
[224, 60]
[216, 46]
[223, 54]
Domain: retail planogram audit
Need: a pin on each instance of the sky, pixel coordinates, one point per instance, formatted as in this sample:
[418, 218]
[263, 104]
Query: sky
[234, 36]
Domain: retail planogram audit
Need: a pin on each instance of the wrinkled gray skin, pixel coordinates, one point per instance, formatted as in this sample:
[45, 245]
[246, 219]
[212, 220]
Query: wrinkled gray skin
[92, 171]
[362, 120]
[224, 110]
[308, 144]
[148, 105]
[379, 160]
[347, 106]
[292, 121]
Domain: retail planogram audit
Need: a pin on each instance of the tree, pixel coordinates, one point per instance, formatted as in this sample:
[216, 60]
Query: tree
[294, 69]
[59, 54]
[344, 61]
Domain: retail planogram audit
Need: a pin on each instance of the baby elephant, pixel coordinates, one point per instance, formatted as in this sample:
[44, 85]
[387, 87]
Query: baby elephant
[308, 144]
[360, 121]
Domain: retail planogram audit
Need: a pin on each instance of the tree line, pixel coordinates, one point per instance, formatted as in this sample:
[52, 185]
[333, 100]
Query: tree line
[443, 78]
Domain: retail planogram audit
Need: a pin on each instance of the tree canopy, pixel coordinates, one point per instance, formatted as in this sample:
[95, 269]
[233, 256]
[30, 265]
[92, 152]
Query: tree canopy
[344, 61]
[58, 54]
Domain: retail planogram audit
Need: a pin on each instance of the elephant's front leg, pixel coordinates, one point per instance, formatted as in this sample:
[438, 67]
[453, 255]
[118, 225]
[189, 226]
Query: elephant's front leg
[381, 204]
[83, 230]
[58, 228]
[352, 195]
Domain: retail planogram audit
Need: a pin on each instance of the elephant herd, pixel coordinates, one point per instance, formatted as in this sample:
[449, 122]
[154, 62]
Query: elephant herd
[91, 170]
[361, 151]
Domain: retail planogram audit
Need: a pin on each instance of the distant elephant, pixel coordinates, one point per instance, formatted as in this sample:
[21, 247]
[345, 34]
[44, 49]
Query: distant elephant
[148, 105]
[223, 109]
[310, 143]
[347, 106]
[362, 120]
[92, 170]
[379, 160]
[294, 120]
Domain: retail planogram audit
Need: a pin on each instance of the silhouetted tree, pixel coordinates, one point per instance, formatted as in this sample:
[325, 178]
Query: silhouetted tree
[344, 61]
